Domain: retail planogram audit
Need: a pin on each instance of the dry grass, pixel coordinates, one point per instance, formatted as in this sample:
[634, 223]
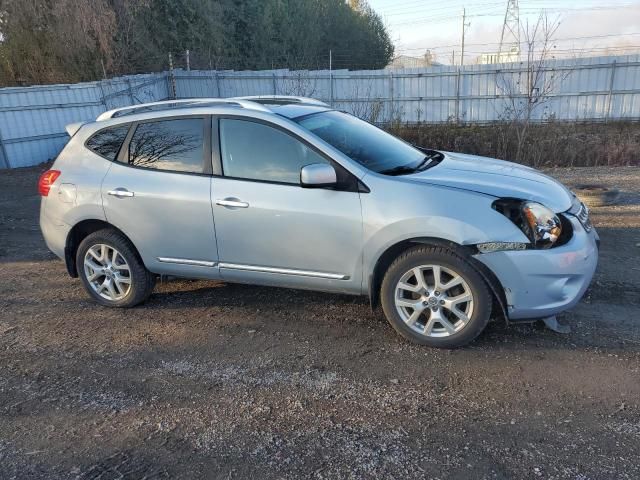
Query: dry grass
[556, 144]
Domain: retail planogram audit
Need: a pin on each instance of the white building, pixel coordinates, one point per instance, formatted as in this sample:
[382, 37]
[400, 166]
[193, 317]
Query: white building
[512, 55]
[407, 61]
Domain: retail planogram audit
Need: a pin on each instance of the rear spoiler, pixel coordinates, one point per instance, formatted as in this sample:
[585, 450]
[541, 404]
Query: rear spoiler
[73, 128]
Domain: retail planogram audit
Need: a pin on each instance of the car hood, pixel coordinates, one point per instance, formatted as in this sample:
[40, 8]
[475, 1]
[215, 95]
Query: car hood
[497, 178]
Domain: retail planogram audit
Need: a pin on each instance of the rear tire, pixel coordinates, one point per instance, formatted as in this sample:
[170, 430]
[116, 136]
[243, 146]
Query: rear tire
[111, 270]
[434, 297]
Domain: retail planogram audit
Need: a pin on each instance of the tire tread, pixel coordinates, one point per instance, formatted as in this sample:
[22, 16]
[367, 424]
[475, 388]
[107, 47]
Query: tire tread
[142, 288]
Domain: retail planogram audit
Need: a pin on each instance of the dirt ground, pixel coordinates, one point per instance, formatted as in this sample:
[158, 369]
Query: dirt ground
[212, 380]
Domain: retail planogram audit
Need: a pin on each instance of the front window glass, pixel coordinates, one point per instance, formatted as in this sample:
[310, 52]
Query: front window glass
[368, 145]
[256, 151]
[175, 145]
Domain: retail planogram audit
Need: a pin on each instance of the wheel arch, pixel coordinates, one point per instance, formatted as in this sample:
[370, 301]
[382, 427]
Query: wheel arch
[392, 252]
[78, 233]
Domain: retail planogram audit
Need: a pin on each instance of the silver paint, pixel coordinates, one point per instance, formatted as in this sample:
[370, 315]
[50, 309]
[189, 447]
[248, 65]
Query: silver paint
[275, 234]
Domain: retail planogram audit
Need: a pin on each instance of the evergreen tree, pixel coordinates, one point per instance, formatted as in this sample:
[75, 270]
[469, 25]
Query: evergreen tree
[50, 41]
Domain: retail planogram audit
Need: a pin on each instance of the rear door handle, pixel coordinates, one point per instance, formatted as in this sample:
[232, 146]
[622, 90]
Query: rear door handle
[120, 193]
[231, 202]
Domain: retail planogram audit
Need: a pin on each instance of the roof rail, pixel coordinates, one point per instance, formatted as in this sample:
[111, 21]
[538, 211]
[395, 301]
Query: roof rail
[281, 99]
[169, 104]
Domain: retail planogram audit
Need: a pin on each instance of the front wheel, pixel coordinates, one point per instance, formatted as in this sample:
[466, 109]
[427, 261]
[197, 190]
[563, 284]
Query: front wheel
[434, 297]
[111, 270]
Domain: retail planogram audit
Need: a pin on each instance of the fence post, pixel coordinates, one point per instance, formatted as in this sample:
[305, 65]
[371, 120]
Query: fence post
[172, 79]
[275, 87]
[130, 91]
[610, 96]
[391, 112]
[4, 159]
[103, 98]
[217, 82]
[330, 78]
[458, 97]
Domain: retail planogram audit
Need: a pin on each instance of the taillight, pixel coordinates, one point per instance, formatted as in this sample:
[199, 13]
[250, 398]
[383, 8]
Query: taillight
[46, 180]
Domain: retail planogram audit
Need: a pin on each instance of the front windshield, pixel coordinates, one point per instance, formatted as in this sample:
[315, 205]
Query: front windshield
[368, 145]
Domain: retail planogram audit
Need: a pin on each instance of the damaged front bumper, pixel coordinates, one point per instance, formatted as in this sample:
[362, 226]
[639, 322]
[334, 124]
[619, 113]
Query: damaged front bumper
[542, 283]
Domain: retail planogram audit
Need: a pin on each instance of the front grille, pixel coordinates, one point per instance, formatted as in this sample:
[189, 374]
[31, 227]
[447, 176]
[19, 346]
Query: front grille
[583, 216]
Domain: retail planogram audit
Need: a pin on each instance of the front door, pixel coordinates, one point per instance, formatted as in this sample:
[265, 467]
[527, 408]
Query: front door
[158, 194]
[270, 230]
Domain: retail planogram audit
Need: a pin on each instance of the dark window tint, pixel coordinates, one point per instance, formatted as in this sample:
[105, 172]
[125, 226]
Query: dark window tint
[371, 147]
[107, 142]
[168, 145]
[256, 151]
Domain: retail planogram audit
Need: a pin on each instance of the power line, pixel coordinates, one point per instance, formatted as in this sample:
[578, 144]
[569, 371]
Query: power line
[448, 7]
[440, 19]
[487, 44]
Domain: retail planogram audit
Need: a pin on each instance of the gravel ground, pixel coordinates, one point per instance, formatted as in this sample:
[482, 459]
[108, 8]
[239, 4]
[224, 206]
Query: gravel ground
[229, 381]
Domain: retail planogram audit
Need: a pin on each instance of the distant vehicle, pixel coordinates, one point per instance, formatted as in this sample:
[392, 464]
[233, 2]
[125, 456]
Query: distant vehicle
[288, 192]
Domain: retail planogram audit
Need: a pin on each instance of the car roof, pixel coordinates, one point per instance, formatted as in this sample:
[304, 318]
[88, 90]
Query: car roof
[297, 110]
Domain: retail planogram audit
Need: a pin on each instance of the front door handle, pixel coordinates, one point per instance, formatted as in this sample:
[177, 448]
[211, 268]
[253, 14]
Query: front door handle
[231, 202]
[120, 193]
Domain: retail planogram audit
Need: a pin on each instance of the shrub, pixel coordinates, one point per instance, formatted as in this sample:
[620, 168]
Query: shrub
[554, 144]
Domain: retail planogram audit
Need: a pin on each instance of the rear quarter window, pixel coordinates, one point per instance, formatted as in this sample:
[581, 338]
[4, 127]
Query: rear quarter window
[107, 142]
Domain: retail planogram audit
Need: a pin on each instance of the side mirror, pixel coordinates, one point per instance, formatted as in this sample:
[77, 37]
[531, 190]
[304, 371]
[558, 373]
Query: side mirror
[318, 175]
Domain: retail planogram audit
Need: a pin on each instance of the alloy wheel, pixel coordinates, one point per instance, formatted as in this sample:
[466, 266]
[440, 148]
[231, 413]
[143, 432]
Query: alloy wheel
[107, 272]
[434, 301]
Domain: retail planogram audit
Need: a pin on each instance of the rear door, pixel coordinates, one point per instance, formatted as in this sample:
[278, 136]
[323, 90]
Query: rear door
[158, 194]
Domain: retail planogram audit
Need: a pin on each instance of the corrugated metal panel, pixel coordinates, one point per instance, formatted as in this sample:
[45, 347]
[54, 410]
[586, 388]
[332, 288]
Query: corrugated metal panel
[32, 119]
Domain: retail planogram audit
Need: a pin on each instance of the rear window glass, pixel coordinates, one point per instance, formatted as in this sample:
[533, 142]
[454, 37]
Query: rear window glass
[175, 145]
[107, 142]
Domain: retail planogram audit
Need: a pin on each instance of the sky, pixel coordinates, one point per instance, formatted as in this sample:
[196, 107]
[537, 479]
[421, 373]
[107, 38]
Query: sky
[586, 27]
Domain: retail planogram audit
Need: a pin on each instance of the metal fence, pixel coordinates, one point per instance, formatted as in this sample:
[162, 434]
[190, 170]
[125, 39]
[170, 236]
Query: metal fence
[32, 119]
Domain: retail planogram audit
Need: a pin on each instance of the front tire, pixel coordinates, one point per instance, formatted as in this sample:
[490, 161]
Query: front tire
[111, 270]
[434, 297]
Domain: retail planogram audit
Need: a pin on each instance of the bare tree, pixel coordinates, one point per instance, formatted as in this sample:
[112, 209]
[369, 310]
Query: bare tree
[364, 103]
[526, 90]
[298, 83]
[152, 144]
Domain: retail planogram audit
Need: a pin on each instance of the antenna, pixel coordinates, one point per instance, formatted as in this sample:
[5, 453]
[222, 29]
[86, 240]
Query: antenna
[510, 37]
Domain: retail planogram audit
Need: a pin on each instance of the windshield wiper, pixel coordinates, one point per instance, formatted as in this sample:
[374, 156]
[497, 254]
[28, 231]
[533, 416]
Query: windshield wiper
[429, 161]
[399, 170]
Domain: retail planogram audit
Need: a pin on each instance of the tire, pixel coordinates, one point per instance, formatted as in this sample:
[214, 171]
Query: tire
[131, 283]
[412, 323]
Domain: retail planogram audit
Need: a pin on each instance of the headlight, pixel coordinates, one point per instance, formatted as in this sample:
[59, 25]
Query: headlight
[544, 226]
[537, 222]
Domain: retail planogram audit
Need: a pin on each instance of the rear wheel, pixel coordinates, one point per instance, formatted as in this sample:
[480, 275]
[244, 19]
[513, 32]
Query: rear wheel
[112, 271]
[434, 297]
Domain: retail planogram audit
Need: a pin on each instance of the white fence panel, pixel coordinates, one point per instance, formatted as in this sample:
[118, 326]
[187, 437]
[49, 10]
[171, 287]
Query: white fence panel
[32, 119]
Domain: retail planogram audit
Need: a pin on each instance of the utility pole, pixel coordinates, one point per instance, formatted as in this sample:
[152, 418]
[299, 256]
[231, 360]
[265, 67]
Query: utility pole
[188, 61]
[104, 70]
[464, 26]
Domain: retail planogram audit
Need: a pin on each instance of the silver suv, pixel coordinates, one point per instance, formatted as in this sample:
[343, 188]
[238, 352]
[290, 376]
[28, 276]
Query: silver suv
[286, 191]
